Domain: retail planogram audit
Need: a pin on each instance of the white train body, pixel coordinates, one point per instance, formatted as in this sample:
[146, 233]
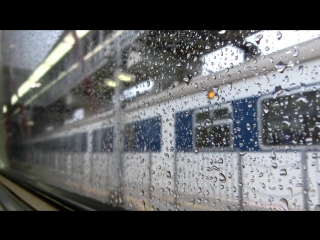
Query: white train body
[159, 162]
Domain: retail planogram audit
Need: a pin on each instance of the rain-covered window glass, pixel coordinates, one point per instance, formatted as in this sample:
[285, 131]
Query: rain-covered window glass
[164, 119]
[213, 129]
[292, 119]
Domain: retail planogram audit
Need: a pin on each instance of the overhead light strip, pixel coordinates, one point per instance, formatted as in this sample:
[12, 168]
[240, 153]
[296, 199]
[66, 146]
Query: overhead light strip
[74, 66]
[55, 56]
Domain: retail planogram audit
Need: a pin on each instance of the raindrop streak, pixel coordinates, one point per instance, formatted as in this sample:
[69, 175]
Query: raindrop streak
[284, 204]
[213, 168]
[222, 178]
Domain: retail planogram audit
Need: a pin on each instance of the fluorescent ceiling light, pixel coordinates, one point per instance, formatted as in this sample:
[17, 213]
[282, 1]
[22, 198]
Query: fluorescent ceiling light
[75, 65]
[110, 83]
[58, 53]
[82, 33]
[61, 50]
[125, 77]
[30, 123]
[14, 99]
[4, 109]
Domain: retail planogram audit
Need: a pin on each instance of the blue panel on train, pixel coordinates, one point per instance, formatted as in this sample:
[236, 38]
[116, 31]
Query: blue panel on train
[183, 131]
[84, 142]
[245, 124]
[95, 140]
[144, 136]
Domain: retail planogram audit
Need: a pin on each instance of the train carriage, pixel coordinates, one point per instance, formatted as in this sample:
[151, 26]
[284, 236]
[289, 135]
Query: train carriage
[242, 136]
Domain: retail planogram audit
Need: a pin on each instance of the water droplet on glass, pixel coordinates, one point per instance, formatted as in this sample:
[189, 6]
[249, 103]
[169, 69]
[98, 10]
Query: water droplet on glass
[273, 155]
[222, 31]
[186, 79]
[284, 204]
[303, 86]
[222, 178]
[258, 38]
[312, 193]
[267, 48]
[283, 172]
[260, 174]
[274, 165]
[300, 118]
[168, 174]
[309, 141]
[300, 70]
[279, 35]
[281, 66]
[265, 108]
[277, 93]
[141, 192]
[295, 53]
[219, 161]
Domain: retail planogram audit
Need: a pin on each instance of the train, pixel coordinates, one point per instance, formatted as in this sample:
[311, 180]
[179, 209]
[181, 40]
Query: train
[243, 135]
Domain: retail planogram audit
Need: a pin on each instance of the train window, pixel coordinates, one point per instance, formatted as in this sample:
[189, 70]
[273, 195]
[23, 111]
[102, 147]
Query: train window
[107, 140]
[143, 136]
[212, 128]
[95, 143]
[291, 119]
[84, 142]
[102, 140]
